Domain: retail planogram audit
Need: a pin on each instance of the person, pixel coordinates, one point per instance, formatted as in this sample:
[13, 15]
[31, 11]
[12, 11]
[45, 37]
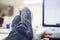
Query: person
[23, 31]
[15, 21]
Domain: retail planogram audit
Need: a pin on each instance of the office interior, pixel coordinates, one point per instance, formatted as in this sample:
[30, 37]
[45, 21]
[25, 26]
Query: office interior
[10, 8]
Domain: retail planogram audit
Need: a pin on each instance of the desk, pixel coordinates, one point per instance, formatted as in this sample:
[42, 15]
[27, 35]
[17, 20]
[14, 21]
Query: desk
[4, 33]
[2, 36]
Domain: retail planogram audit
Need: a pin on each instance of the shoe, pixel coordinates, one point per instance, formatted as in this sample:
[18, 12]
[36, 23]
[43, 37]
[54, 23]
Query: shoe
[26, 22]
[26, 15]
[15, 21]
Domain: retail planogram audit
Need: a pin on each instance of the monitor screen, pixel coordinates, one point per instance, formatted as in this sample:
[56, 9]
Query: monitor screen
[51, 13]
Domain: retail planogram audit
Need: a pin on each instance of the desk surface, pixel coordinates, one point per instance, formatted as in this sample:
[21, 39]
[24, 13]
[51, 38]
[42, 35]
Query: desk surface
[4, 33]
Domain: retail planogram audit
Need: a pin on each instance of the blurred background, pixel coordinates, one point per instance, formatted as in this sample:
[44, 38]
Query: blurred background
[10, 8]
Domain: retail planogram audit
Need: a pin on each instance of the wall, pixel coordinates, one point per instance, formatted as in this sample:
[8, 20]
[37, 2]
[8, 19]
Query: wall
[6, 11]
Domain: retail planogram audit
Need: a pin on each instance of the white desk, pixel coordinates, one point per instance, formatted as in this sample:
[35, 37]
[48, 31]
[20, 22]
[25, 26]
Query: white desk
[4, 33]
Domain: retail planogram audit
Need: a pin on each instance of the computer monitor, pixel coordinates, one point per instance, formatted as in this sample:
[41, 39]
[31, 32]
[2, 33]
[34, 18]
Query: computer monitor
[51, 13]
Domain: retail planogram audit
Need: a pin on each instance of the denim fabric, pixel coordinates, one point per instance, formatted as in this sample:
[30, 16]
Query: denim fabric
[15, 21]
[23, 31]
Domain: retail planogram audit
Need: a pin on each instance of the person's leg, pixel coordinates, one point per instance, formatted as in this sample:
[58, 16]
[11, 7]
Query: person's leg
[24, 29]
[26, 18]
[15, 21]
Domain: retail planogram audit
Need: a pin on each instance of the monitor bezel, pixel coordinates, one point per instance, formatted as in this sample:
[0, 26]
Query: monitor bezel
[46, 25]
